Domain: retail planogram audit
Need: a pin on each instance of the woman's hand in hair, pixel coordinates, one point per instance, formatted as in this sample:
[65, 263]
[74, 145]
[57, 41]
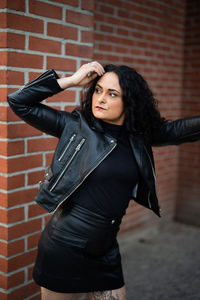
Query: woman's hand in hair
[82, 76]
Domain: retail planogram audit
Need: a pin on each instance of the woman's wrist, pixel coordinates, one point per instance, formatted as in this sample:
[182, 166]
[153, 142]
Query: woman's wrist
[65, 82]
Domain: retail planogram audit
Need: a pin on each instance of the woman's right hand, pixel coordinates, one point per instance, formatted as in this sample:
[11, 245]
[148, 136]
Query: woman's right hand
[82, 76]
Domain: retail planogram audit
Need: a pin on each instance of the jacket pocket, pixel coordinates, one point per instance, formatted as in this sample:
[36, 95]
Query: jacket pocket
[66, 166]
[68, 238]
[72, 138]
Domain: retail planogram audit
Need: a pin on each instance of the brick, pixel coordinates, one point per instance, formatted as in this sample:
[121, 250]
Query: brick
[79, 50]
[45, 10]
[49, 157]
[24, 163]
[3, 234]
[44, 144]
[3, 247]
[3, 58]
[11, 148]
[44, 45]
[15, 147]
[25, 60]
[79, 18]
[3, 113]
[74, 3]
[12, 182]
[88, 5]
[15, 279]
[35, 177]
[3, 264]
[11, 77]
[16, 41]
[66, 96]
[21, 260]
[4, 92]
[3, 165]
[21, 130]
[59, 63]
[3, 20]
[87, 36]
[24, 228]
[15, 247]
[33, 240]
[35, 210]
[62, 31]
[108, 10]
[15, 5]
[11, 216]
[23, 292]
[24, 23]
[3, 38]
[19, 197]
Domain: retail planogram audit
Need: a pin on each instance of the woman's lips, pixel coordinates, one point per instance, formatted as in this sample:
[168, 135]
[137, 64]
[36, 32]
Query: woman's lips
[99, 107]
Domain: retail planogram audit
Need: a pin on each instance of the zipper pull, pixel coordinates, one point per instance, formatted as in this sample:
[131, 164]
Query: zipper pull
[80, 144]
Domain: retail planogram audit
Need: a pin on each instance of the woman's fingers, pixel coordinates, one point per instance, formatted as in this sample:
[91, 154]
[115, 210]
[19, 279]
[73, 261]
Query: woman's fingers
[95, 67]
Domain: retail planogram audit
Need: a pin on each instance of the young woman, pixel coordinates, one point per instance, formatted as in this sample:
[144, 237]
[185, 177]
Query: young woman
[103, 159]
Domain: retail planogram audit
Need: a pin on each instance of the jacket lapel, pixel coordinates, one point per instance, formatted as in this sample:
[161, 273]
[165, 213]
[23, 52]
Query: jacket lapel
[143, 160]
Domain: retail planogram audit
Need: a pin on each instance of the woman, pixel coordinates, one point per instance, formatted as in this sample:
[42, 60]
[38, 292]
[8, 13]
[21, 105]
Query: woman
[103, 159]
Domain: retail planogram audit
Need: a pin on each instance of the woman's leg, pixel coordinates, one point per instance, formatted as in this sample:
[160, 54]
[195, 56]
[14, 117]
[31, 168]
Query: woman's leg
[119, 294]
[50, 295]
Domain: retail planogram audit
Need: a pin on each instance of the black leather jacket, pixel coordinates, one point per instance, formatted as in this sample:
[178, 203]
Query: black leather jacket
[82, 147]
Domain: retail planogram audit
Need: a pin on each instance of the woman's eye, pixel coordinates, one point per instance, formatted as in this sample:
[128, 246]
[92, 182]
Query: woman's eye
[113, 95]
[97, 91]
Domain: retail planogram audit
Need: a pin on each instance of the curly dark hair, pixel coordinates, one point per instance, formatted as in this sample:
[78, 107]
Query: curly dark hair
[141, 113]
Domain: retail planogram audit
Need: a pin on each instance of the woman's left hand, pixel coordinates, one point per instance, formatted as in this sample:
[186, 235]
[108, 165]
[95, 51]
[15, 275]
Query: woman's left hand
[82, 76]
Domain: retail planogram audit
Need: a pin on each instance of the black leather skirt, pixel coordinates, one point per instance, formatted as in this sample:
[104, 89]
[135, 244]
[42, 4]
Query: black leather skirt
[78, 252]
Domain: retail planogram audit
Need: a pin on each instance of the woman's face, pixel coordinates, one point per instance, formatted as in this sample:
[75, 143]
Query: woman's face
[107, 103]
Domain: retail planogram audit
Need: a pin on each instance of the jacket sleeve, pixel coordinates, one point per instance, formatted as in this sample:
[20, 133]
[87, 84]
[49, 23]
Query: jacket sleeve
[177, 132]
[25, 102]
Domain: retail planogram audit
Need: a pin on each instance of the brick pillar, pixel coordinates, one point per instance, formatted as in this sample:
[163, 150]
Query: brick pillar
[34, 36]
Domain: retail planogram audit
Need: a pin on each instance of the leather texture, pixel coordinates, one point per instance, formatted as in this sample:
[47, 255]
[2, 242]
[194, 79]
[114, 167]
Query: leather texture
[83, 146]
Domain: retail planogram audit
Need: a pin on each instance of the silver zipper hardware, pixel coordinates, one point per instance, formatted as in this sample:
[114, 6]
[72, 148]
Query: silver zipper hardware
[149, 200]
[67, 165]
[66, 148]
[114, 145]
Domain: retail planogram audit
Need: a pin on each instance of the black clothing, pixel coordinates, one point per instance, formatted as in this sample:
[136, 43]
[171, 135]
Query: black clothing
[78, 253]
[90, 146]
[107, 190]
[83, 147]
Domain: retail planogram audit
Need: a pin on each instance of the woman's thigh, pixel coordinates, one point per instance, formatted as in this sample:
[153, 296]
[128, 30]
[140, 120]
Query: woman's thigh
[119, 294]
[50, 295]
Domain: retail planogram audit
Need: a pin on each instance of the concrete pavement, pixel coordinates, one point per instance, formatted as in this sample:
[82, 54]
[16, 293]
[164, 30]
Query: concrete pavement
[162, 263]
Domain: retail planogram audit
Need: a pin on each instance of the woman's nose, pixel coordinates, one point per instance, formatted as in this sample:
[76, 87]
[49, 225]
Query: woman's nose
[101, 98]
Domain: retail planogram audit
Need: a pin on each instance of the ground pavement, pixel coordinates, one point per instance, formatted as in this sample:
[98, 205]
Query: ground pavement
[163, 263]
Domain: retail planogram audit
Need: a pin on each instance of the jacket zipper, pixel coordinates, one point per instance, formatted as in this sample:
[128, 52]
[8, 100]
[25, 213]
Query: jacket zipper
[149, 199]
[67, 165]
[66, 148]
[37, 80]
[153, 175]
[86, 176]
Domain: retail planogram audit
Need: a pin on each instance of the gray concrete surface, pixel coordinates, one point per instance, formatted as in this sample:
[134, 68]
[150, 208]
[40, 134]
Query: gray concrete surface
[162, 263]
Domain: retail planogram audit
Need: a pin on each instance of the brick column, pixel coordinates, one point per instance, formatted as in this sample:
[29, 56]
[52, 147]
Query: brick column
[34, 36]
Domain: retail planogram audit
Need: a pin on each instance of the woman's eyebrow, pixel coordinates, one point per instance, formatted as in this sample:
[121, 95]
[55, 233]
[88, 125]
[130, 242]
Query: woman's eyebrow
[112, 90]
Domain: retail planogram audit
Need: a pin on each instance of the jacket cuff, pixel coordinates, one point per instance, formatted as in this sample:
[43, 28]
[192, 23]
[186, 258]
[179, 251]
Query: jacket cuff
[42, 87]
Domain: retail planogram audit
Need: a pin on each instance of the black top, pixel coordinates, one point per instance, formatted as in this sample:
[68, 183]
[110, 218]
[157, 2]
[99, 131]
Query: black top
[107, 190]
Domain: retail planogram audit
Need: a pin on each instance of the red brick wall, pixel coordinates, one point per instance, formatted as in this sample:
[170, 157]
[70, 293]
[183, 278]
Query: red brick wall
[62, 34]
[188, 194]
[147, 35]
[35, 36]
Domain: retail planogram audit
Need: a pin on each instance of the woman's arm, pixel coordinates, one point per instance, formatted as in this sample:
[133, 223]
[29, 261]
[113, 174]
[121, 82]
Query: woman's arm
[177, 132]
[25, 102]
